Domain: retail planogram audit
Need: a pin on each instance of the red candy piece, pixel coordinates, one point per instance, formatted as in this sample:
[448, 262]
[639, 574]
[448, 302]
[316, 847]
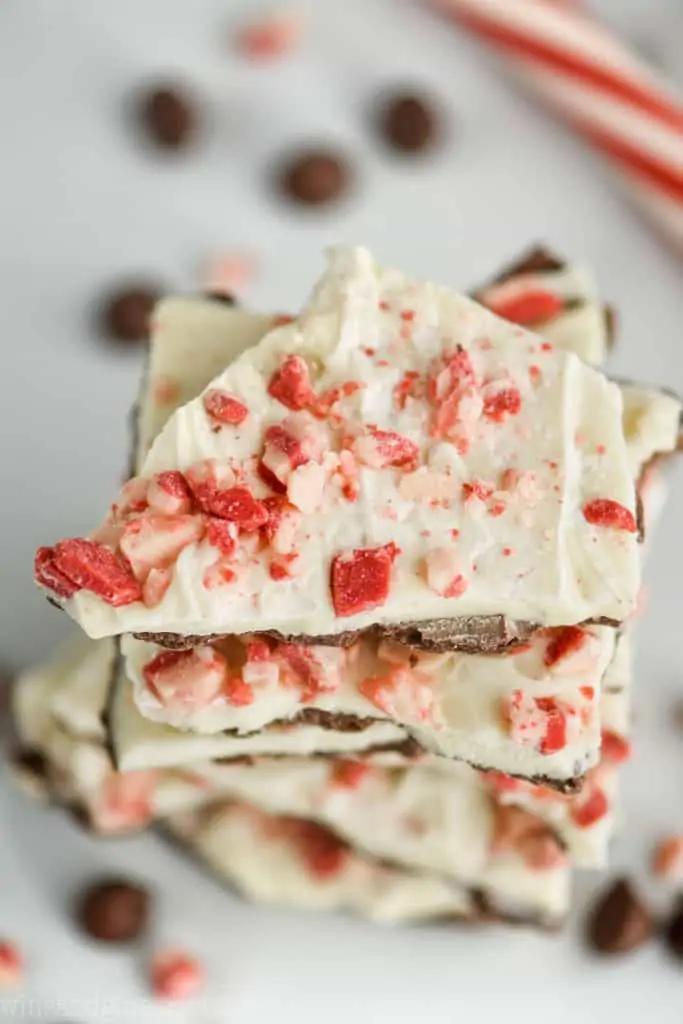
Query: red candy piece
[565, 641]
[291, 384]
[556, 726]
[349, 774]
[360, 579]
[534, 307]
[506, 402]
[225, 408]
[386, 448]
[91, 566]
[588, 811]
[407, 387]
[236, 504]
[322, 406]
[239, 693]
[11, 966]
[615, 749]
[175, 975]
[271, 37]
[538, 721]
[608, 513]
[476, 489]
[324, 854]
[48, 575]
[222, 534]
[307, 668]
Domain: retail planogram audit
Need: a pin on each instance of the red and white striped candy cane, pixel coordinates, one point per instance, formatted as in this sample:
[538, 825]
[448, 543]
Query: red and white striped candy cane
[605, 92]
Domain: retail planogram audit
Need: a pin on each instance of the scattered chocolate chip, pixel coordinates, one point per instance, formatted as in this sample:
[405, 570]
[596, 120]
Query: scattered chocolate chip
[619, 921]
[408, 123]
[113, 910]
[126, 312]
[673, 933]
[611, 325]
[227, 300]
[168, 116]
[315, 177]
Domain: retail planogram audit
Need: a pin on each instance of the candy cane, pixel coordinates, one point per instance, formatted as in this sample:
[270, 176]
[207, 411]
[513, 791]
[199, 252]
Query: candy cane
[608, 95]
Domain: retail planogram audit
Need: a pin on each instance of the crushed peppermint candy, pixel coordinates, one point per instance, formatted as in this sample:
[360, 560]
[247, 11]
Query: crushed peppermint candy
[361, 579]
[175, 975]
[667, 859]
[11, 965]
[610, 514]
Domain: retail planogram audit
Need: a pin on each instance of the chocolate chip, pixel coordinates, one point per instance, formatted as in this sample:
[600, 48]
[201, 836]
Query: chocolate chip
[113, 910]
[168, 116]
[408, 123]
[126, 312]
[619, 921]
[611, 325]
[224, 297]
[673, 933]
[315, 177]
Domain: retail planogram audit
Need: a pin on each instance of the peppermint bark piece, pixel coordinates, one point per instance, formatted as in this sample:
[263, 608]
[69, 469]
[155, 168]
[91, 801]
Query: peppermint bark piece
[414, 437]
[62, 753]
[532, 714]
[544, 293]
[295, 862]
[438, 810]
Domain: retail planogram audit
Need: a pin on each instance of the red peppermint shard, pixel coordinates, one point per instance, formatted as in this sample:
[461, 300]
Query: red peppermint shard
[555, 737]
[175, 975]
[225, 408]
[608, 513]
[360, 579]
[236, 504]
[47, 574]
[90, 566]
[389, 449]
[307, 669]
[614, 749]
[586, 812]
[291, 384]
[222, 534]
[534, 307]
[565, 641]
[506, 402]
[324, 854]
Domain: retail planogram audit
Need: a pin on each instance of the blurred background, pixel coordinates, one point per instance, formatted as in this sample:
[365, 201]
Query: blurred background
[90, 204]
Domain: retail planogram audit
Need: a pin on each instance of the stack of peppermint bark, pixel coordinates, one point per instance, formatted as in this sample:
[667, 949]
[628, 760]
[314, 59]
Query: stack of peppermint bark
[358, 623]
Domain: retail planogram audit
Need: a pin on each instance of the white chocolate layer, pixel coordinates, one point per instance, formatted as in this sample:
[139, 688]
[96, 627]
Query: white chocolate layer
[563, 569]
[453, 704]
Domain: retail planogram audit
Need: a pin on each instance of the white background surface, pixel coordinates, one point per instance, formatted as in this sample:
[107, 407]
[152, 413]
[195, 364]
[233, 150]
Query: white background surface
[82, 202]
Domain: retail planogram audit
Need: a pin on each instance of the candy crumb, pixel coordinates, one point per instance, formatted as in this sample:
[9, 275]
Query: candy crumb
[175, 975]
[271, 37]
[11, 965]
[667, 859]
